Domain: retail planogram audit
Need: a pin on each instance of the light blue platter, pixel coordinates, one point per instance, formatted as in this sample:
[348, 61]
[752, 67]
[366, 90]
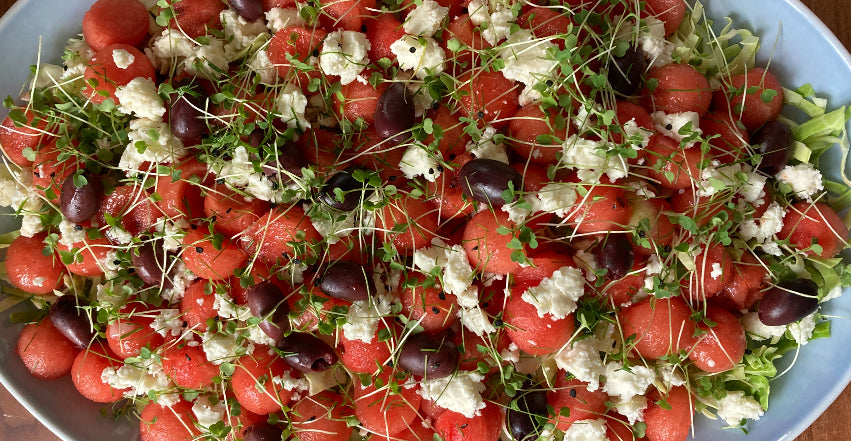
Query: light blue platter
[806, 52]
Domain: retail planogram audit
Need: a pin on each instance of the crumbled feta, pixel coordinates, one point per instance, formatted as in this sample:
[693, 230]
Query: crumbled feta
[173, 48]
[70, 233]
[228, 309]
[476, 321]
[345, 54]
[526, 58]
[802, 330]
[498, 16]
[736, 406]
[486, 148]
[239, 171]
[220, 348]
[239, 32]
[340, 224]
[364, 316]
[457, 272]
[417, 161]
[140, 98]
[142, 381]
[804, 179]
[557, 198]
[586, 430]
[169, 322]
[263, 66]
[425, 19]
[582, 360]
[181, 278]
[765, 228]
[557, 294]
[257, 335]
[162, 147]
[172, 232]
[677, 126]
[47, 75]
[633, 408]
[590, 159]
[753, 189]
[636, 135]
[122, 58]
[626, 384]
[671, 375]
[31, 225]
[79, 57]
[411, 54]
[715, 178]
[510, 354]
[653, 43]
[291, 104]
[281, 18]
[206, 413]
[758, 330]
[460, 393]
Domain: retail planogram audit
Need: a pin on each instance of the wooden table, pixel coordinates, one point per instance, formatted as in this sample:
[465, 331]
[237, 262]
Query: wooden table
[17, 424]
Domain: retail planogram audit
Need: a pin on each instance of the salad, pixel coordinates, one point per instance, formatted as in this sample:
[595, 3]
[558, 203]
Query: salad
[418, 220]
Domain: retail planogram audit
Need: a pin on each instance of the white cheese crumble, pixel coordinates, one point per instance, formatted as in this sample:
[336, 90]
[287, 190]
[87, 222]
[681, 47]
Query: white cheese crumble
[586, 430]
[143, 381]
[291, 104]
[169, 322]
[526, 58]
[425, 19]
[228, 309]
[412, 54]
[804, 179]
[498, 16]
[802, 330]
[764, 229]
[633, 408]
[653, 43]
[365, 315]
[736, 406]
[758, 330]
[140, 98]
[590, 159]
[69, 233]
[263, 67]
[239, 171]
[162, 147]
[486, 148]
[460, 393]
[582, 359]
[476, 321]
[417, 161]
[206, 413]
[281, 18]
[557, 294]
[557, 198]
[457, 273]
[345, 54]
[677, 125]
[122, 58]
[220, 348]
[626, 384]
[716, 178]
[239, 32]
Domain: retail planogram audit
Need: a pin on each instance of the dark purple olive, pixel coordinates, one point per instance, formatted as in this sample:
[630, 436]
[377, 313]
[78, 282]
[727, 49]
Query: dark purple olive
[256, 138]
[616, 255]
[248, 9]
[346, 280]
[774, 142]
[394, 114]
[522, 422]
[353, 191]
[485, 180]
[788, 302]
[79, 204]
[266, 301]
[428, 355]
[185, 114]
[625, 72]
[288, 161]
[262, 431]
[72, 321]
[306, 353]
[149, 260]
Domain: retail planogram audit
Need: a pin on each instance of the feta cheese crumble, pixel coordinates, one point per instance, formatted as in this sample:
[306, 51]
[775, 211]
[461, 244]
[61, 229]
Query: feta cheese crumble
[460, 393]
[122, 58]
[804, 179]
[345, 54]
[557, 294]
[736, 406]
[412, 54]
[140, 98]
[417, 161]
[425, 19]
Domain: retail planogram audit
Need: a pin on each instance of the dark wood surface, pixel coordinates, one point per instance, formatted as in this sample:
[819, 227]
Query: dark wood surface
[17, 424]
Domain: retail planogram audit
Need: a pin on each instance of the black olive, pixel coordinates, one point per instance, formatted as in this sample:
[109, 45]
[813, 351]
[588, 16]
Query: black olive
[262, 431]
[186, 112]
[625, 72]
[79, 204]
[429, 355]
[249, 9]
[394, 114]
[485, 180]
[266, 301]
[346, 280]
[307, 353]
[788, 302]
[773, 141]
[616, 255]
[69, 317]
[522, 412]
[150, 260]
[352, 190]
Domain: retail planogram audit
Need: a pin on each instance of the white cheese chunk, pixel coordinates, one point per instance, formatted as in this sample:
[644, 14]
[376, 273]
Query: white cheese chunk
[626, 384]
[425, 19]
[804, 179]
[412, 54]
[557, 294]
[417, 161]
[122, 58]
[586, 430]
[282, 18]
[582, 359]
[736, 406]
[460, 393]
[345, 54]
[526, 58]
[140, 98]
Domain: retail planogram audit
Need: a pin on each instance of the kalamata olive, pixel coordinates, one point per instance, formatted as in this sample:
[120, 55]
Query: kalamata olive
[149, 260]
[521, 420]
[248, 9]
[262, 431]
[72, 321]
[394, 114]
[625, 72]
[774, 142]
[429, 355]
[266, 301]
[353, 191]
[185, 114]
[307, 353]
[346, 280]
[288, 161]
[485, 180]
[79, 204]
[788, 302]
[616, 255]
